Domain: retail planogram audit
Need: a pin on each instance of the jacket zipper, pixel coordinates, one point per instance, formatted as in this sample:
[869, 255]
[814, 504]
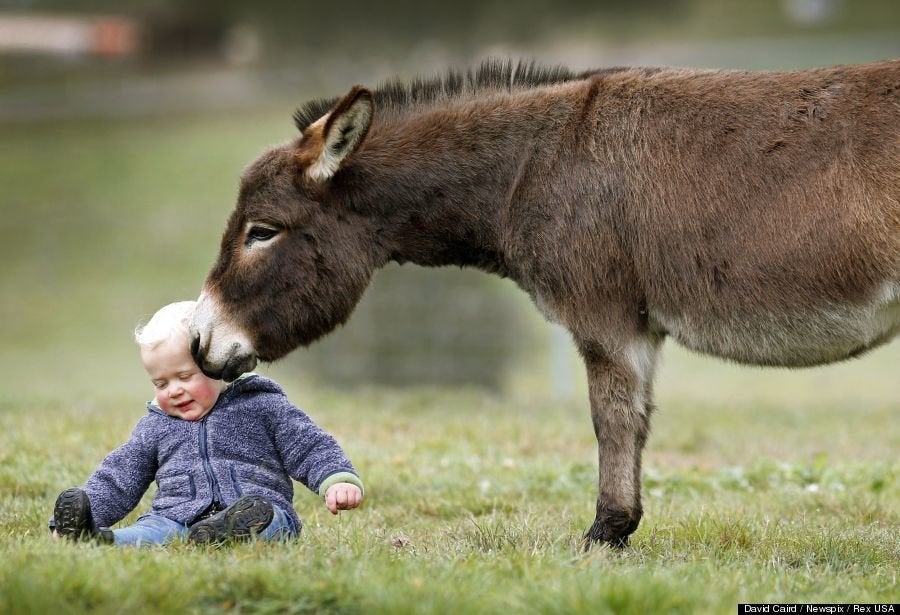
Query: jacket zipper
[207, 466]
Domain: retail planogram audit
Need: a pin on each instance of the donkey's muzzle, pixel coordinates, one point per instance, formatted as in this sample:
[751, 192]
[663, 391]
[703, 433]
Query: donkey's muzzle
[221, 350]
[235, 362]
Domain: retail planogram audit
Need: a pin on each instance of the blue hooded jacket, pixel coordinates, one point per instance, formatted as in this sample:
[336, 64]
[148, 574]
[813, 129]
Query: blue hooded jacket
[253, 441]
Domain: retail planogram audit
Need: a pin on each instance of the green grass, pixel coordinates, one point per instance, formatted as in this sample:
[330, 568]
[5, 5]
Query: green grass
[759, 485]
[476, 504]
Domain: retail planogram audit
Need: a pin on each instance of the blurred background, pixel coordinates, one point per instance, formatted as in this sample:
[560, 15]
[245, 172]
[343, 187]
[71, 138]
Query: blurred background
[124, 127]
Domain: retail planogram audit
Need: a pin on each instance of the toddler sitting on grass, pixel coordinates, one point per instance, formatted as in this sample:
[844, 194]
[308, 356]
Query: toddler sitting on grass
[222, 455]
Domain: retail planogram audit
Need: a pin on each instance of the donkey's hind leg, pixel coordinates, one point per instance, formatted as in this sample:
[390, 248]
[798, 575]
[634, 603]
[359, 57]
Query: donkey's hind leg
[619, 386]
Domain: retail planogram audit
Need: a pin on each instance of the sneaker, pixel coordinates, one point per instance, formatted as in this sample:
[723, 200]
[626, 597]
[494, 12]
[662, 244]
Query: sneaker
[244, 519]
[72, 517]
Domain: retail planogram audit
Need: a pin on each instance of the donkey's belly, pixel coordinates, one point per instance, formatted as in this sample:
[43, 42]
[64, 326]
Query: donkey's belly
[812, 337]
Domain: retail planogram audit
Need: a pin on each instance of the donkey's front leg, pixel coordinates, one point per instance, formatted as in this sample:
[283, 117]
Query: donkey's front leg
[618, 383]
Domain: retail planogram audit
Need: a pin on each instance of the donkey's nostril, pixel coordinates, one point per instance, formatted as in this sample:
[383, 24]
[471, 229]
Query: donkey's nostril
[195, 349]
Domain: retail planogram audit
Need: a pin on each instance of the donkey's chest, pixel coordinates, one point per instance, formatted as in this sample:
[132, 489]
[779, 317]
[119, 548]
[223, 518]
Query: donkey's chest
[799, 338]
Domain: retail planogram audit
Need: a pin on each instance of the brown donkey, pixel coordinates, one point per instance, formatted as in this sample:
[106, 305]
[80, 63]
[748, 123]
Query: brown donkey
[753, 216]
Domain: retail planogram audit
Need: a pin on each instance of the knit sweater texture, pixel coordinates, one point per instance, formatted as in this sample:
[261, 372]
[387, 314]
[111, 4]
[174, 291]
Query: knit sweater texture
[252, 442]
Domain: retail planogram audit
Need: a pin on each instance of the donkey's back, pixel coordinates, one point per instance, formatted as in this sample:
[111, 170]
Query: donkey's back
[761, 210]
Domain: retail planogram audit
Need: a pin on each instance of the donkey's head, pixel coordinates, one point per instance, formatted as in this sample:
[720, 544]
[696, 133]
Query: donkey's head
[294, 259]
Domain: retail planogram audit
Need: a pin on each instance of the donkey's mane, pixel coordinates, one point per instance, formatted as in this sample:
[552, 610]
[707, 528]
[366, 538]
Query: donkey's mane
[490, 75]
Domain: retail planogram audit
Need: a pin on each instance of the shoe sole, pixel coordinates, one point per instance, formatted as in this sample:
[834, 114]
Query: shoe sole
[71, 513]
[244, 519]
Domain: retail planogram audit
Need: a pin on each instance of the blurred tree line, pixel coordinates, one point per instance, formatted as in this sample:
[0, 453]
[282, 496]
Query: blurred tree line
[393, 27]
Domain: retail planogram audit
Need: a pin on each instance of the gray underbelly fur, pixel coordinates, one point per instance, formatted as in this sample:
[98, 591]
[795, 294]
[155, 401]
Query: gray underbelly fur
[813, 337]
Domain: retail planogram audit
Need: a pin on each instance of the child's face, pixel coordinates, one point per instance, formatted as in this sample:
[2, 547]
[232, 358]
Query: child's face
[182, 390]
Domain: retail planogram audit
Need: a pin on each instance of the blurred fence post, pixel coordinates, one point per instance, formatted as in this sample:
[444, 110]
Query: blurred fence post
[434, 327]
[562, 379]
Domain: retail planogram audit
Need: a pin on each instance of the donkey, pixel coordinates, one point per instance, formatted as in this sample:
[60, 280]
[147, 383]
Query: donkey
[753, 216]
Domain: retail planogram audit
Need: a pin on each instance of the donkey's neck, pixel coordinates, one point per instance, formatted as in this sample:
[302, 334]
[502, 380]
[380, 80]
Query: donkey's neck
[440, 183]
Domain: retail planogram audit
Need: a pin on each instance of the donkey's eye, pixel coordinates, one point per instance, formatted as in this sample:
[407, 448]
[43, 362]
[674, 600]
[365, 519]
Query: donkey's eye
[260, 233]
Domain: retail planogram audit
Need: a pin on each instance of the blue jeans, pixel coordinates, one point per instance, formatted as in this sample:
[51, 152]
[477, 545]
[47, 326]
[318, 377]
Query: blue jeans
[155, 530]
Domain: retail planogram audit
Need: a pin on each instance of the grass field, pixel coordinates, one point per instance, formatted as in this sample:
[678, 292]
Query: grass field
[759, 485]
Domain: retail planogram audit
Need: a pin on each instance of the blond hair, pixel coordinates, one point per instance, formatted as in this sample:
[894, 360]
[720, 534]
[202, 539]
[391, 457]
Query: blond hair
[168, 321]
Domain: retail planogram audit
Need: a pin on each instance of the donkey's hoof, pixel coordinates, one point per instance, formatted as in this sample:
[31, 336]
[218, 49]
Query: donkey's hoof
[612, 527]
[602, 536]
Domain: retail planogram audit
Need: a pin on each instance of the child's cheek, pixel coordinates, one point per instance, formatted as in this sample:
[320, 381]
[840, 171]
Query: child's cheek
[168, 409]
[206, 395]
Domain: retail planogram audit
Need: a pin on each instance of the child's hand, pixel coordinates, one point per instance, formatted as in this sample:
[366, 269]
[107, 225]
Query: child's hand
[342, 496]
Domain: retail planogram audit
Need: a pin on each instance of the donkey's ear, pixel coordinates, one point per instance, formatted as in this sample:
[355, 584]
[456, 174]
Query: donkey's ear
[335, 136]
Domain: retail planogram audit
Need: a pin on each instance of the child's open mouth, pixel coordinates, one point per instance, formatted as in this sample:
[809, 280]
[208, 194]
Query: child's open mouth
[184, 404]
